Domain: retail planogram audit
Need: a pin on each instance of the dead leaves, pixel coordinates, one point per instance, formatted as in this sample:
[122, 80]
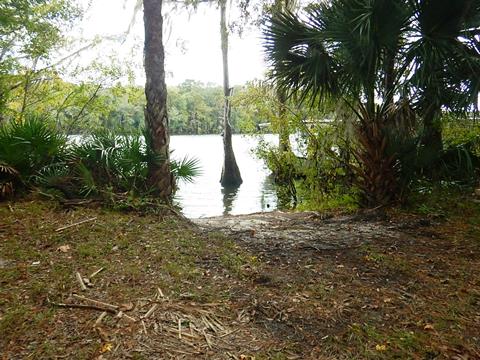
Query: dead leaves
[428, 327]
[107, 347]
[127, 306]
[64, 248]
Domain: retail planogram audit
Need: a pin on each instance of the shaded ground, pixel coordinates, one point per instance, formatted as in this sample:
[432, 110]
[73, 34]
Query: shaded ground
[269, 286]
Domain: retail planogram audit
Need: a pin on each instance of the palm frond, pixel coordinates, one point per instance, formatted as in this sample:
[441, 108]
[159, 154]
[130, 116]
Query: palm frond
[300, 63]
[186, 169]
[337, 50]
[444, 54]
[29, 145]
[7, 170]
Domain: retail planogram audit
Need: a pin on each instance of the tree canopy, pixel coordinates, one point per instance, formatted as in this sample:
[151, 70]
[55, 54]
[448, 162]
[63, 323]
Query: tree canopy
[29, 31]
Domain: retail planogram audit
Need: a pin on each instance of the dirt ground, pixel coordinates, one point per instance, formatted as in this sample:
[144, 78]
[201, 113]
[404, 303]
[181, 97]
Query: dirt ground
[288, 233]
[277, 285]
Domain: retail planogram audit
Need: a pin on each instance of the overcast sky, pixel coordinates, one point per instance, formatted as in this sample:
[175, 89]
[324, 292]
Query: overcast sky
[192, 43]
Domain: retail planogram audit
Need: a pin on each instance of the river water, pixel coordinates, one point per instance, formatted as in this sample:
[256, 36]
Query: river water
[205, 196]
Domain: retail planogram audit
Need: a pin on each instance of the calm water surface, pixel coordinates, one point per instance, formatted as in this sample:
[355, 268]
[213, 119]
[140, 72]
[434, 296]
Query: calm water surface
[205, 196]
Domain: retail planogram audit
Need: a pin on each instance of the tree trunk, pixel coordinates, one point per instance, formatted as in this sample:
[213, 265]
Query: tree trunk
[377, 176]
[389, 81]
[432, 133]
[283, 133]
[156, 117]
[230, 173]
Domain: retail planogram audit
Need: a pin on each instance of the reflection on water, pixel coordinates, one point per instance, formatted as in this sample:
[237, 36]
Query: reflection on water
[229, 196]
[206, 197]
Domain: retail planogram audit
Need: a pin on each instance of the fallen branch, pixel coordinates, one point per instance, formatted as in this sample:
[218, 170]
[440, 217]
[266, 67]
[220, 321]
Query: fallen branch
[119, 314]
[80, 281]
[209, 343]
[81, 306]
[75, 224]
[76, 202]
[99, 303]
[122, 314]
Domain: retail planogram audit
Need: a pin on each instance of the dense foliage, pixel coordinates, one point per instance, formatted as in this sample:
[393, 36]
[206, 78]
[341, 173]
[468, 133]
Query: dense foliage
[398, 67]
[103, 165]
[320, 171]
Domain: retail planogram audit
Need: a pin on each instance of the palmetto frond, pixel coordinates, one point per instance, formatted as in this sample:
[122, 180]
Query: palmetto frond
[29, 145]
[444, 53]
[186, 169]
[7, 170]
[300, 62]
[337, 50]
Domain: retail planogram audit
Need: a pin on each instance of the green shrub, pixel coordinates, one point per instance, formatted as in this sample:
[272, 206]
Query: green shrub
[27, 147]
[107, 165]
[104, 164]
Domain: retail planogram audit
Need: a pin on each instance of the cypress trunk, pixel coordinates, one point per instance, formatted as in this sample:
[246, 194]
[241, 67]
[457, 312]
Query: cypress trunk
[230, 173]
[156, 117]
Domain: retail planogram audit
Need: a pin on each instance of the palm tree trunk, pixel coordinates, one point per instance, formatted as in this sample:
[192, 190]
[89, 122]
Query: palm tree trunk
[156, 117]
[230, 173]
[432, 134]
[389, 81]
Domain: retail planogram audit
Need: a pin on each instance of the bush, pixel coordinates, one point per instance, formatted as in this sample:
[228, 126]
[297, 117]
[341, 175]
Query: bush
[317, 172]
[27, 147]
[106, 165]
[103, 165]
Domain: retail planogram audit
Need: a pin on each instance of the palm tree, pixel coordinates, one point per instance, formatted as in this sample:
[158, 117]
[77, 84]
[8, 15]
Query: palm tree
[156, 117]
[445, 61]
[371, 52]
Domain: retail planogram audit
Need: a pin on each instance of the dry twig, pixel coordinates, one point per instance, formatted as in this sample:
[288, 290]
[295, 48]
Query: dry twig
[207, 339]
[76, 224]
[150, 311]
[100, 303]
[100, 318]
[160, 293]
[81, 306]
[80, 281]
[95, 273]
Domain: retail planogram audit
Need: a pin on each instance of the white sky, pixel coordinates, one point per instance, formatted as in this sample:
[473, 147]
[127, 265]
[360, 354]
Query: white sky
[192, 43]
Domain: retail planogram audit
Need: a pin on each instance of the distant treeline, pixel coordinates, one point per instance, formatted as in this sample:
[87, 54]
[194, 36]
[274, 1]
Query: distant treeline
[194, 107]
